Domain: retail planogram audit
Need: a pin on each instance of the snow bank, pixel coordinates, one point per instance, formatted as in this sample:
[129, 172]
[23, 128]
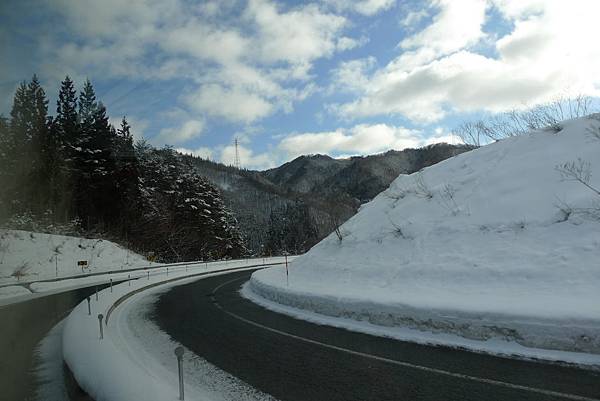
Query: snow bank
[13, 291]
[27, 256]
[125, 366]
[490, 244]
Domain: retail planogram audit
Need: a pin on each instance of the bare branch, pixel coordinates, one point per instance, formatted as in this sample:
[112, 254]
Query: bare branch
[579, 171]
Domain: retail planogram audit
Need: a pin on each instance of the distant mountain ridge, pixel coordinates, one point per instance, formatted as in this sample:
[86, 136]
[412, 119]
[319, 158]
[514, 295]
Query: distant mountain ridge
[320, 191]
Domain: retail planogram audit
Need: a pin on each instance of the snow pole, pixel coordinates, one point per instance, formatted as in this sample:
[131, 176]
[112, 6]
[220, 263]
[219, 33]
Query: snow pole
[89, 307]
[100, 316]
[148, 274]
[96, 293]
[111, 285]
[287, 272]
[179, 354]
[129, 280]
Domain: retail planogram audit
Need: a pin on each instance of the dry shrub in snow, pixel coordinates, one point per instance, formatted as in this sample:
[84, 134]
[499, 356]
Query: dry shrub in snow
[519, 122]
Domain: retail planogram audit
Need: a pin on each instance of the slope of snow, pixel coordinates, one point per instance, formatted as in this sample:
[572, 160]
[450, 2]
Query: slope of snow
[476, 245]
[27, 256]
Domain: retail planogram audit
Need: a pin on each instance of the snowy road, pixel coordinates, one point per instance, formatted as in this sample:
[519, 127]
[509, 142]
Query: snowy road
[296, 360]
[22, 327]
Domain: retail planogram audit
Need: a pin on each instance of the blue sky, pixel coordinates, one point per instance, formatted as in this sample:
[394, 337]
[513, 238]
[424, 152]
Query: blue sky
[287, 78]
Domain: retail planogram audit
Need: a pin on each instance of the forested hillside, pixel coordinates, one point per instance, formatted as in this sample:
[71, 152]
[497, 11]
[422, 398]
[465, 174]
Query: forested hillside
[74, 172]
[292, 207]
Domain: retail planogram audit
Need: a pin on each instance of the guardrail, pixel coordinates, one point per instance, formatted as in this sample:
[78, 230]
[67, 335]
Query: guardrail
[138, 290]
[133, 269]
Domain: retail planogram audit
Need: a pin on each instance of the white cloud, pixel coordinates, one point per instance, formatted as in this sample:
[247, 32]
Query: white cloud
[203, 152]
[353, 75]
[364, 7]
[258, 54]
[371, 7]
[456, 26]
[234, 104]
[204, 42]
[442, 136]
[190, 129]
[414, 17]
[544, 56]
[297, 36]
[346, 43]
[360, 139]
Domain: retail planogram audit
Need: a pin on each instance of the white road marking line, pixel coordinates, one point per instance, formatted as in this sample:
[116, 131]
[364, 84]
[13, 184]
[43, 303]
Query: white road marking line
[399, 363]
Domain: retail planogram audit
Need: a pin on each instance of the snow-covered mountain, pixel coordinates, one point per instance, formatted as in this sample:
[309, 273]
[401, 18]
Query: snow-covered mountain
[498, 243]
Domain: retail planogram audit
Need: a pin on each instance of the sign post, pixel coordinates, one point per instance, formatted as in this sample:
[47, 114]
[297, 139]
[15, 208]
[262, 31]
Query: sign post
[82, 264]
[287, 272]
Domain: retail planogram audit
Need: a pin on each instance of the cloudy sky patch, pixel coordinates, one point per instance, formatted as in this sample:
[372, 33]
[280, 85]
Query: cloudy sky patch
[327, 76]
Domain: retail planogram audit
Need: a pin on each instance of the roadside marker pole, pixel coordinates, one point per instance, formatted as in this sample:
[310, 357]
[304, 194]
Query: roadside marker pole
[111, 285]
[179, 354]
[96, 293]
[148, 274]
[100, 316]
[167, 272]
[129, 280]
[287, 272]
[89, 307]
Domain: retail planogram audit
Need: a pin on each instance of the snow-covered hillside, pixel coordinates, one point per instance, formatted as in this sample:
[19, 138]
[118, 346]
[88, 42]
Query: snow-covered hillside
[491, 244]
[27, 256]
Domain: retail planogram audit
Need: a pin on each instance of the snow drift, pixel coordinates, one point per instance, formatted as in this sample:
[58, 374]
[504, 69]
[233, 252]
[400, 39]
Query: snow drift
[493, 243]
[26, 256]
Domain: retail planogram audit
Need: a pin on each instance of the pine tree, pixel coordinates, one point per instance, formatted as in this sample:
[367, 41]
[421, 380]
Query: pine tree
[126, 177]
[61, 143]
[66, 116]
[6, 169]
[36, 146]
[101, 166]
[17, 167]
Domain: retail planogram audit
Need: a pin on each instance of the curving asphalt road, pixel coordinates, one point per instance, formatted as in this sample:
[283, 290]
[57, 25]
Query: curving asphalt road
[299, 361]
